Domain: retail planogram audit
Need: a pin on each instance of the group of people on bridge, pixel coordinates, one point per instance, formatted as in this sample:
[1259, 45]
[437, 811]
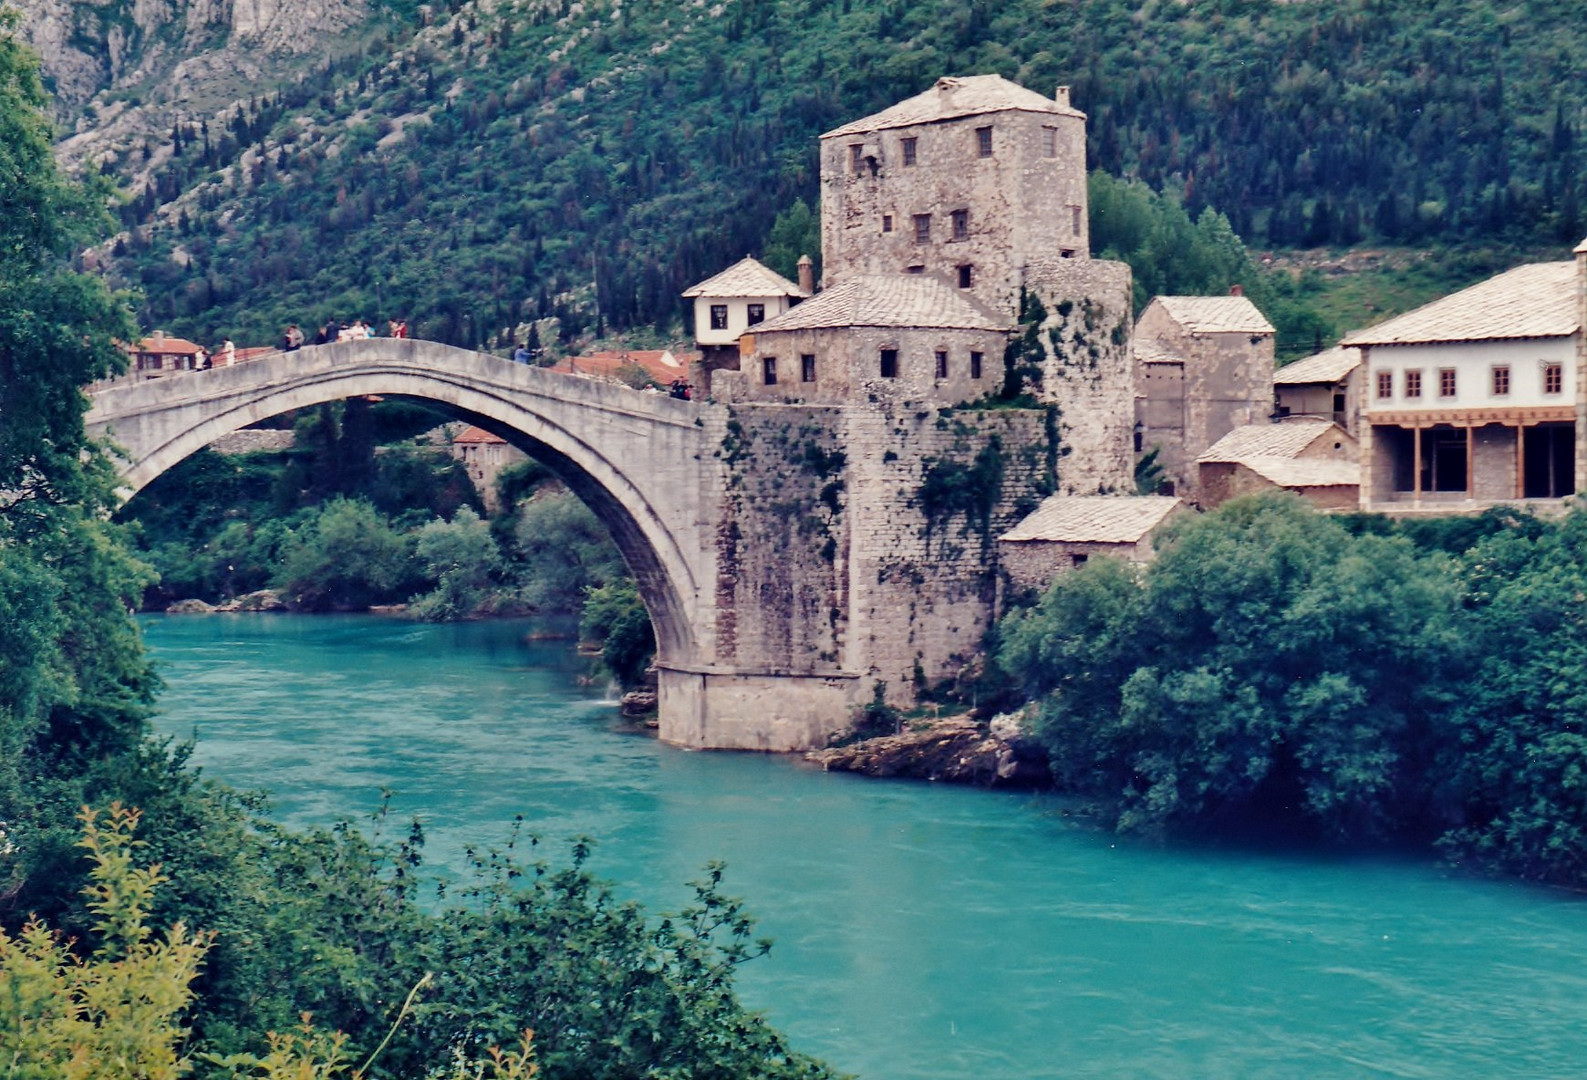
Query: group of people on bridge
[357, 330]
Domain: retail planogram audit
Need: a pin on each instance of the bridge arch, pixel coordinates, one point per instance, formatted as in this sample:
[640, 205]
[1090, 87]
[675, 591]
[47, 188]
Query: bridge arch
[633, 458]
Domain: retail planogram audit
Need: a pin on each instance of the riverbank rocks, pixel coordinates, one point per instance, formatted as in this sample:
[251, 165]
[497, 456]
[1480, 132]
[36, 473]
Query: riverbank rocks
[954, 750]
[190, 607]
[263, 600]
[639, 703]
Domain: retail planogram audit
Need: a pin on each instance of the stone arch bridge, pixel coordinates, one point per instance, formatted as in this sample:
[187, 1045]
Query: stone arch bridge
[772, 547]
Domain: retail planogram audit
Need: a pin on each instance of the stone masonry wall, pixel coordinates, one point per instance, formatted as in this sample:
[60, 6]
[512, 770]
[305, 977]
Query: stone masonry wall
[1086, 371]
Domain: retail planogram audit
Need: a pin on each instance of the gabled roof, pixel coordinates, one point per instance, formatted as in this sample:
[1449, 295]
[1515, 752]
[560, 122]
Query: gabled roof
[473, 434]
[1533, 301]
[1328, 366]
[655, 363]
[1305, 472]
[1284, 440]
[1215, 314]
[951, 98]
[902, 300]
[747, 277]
[1096, 519]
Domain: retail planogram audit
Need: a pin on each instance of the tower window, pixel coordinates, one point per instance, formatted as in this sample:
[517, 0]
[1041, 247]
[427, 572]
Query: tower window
[975, 365]
[718, 316]
[1074, 220]
[856, 157]
[1049, 142]
[922, 228]
[942, 364]
[961, 224]
[757, 314]
[983, 142]
[887, 222]
[909, 151]
[966, 276]
[768, 370]
[889, 363]
[807, 367]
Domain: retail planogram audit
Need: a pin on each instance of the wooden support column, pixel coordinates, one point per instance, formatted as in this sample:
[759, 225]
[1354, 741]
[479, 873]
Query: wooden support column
[1416, 464]
[1471, 460]
[1520, 459]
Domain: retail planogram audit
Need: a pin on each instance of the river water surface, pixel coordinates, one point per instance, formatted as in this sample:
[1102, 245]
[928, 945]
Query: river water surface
[922, 931]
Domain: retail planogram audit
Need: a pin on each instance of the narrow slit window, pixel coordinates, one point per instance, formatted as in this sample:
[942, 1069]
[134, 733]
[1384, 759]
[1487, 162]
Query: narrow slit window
[966, 276]
[975, 365]
[807, 367]
[983, 142]
[909, 151]
[887, 222]
[1049, 142]
[942, 363]
[768, 370]
[889, 363]
[856, 157]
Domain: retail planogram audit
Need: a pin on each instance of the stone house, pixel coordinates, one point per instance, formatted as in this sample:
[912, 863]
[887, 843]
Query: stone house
[484, 456]
[737, 300]
[1311, 456]
[874, 337]
[158, 355]
[1203, 367]
[1474, 399]
[1067, 530]
[1323, 386]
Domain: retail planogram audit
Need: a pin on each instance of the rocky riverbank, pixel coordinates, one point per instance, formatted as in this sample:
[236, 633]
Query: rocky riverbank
[955, 749]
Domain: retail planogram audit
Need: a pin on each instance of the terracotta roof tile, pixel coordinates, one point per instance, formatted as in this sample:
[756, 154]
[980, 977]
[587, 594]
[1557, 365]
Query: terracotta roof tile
[1216, 314]
[901, 300]
[168, 346]
[607, 364]
[747, 277]
[1284, 440]
[472, 434]
[1328, 366]
[1531, 301]
[951, 98]
[1097, 519]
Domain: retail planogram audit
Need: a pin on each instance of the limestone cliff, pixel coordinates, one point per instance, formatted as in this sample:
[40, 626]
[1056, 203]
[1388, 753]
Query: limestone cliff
[123, 71]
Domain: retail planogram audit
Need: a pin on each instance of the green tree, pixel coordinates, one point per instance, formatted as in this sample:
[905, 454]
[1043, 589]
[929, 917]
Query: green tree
[561, 551]
[461, 558]
[796, 232]
[615, 616]
[345, 556]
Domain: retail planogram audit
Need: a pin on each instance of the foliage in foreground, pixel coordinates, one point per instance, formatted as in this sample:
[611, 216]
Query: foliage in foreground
[1273, 668]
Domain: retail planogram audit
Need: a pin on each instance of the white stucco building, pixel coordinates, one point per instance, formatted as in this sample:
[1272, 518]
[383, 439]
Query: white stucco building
[1473, 399]
[736, 301]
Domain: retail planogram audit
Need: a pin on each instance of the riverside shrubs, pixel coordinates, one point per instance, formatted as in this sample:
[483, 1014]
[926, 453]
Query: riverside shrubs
[1273, 668]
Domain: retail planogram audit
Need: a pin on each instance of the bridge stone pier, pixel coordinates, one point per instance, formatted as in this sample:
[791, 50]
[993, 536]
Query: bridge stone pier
[781, 550]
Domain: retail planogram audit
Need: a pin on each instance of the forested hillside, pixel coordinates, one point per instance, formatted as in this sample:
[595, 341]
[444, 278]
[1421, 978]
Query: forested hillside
[517, 159]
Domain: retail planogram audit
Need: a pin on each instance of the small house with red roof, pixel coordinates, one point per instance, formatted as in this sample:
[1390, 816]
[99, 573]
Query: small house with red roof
[158, 355]
[484, 456]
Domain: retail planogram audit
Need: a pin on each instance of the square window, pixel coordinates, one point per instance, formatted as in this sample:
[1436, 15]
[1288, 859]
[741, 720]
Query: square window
[1079, 559]
[922, 228]
[983, 142]
[1385, 384]
[768, 370]
[942, 364]
[961, 224]
[1553, 378]
[856, 156]
[975, 365]
[1501, 379]
[718, 316]
[889, 363]
[887, 222]
[1066, 253]
[1446, 382]
[1413, 384]
[966, 276]
[1049, 142]
[807, 367]
[757, 314]
[909, 151]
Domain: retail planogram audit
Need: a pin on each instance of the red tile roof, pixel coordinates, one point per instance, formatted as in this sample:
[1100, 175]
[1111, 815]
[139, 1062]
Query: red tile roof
[473, 434]
[607, 364]
[168, 346]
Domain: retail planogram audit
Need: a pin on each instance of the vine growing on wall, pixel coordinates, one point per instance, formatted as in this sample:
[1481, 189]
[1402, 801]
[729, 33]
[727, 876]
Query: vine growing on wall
[951, 487]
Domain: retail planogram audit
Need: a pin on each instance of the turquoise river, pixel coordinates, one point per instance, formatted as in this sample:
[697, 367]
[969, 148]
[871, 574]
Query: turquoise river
[922, 931]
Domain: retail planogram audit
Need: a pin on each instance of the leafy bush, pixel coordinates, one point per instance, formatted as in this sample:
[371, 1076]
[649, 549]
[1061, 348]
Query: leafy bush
[615, 617]
[344, 557]
[460, 558]
[561, 551]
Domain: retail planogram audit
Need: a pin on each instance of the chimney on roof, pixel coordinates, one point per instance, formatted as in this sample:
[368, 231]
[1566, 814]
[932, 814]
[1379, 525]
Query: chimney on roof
[1236, 290]
[159, 338]
[1062, 97]
[807, 274]
[946, 86]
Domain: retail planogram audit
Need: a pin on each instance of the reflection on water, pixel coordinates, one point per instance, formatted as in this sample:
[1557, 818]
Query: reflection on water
[922, 931]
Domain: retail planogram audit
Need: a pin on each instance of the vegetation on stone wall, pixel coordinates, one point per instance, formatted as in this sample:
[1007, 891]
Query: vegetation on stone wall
[1274, 669]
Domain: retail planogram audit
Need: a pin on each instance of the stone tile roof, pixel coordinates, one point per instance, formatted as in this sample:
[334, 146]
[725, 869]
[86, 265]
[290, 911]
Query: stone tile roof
[1216, 314]
[747, 277]
[902, 300]
[1305, 472]
[1532, 301]
[1328, 366]
[1096, 519]
[1152, 352]
[951, 98]
[1284, 440]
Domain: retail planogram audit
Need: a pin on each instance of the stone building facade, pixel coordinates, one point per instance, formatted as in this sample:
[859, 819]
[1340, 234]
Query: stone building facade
[1204, 366]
